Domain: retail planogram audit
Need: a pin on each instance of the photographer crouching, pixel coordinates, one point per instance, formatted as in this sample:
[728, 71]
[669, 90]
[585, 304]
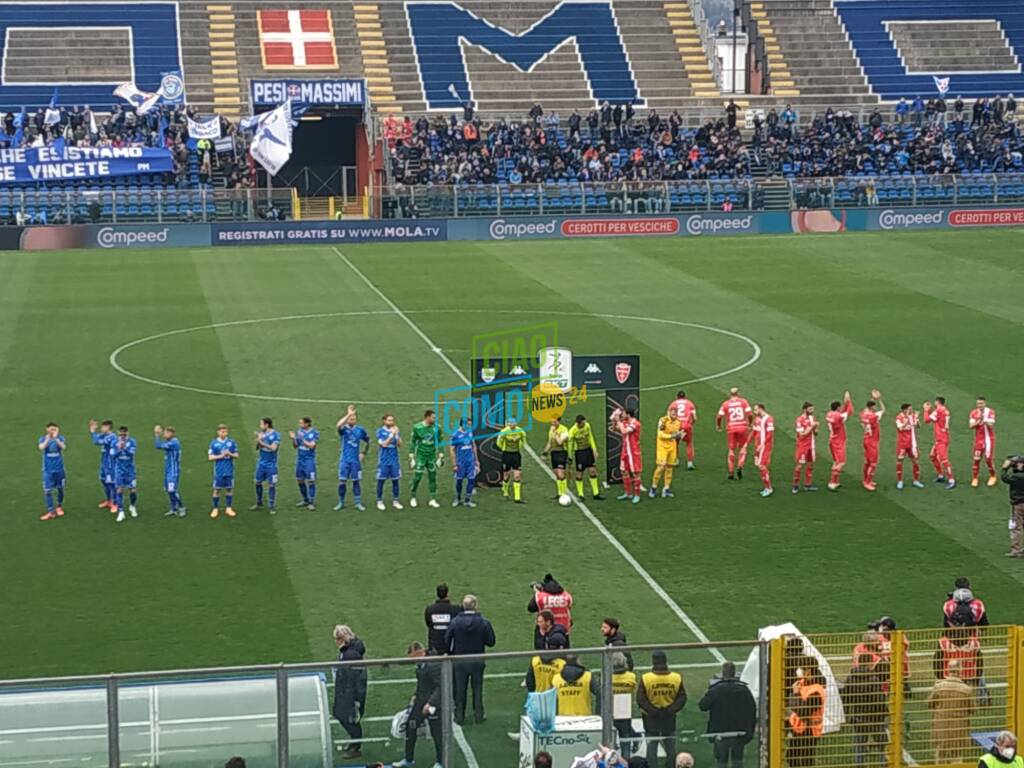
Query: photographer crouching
[1013, 475]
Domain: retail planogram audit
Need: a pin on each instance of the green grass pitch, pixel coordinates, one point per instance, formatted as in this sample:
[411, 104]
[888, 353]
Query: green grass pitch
[915, 314]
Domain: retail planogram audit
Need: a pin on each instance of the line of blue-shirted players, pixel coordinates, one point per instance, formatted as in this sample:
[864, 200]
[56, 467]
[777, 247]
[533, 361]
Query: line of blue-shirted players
[118, 474]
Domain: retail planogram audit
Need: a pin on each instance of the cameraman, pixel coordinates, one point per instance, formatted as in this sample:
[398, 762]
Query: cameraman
[1013, 475]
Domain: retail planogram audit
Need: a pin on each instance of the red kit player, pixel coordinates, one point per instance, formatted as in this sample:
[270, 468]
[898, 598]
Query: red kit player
[686, 412]
[871, 421]
[630, 459]
[764, 439]
[939, 418]
[736, 414]
[906, 445]
[983, 422]
[806, 429]
[836, 418]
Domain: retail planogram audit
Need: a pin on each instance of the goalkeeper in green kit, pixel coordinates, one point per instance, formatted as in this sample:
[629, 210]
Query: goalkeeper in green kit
[426, 436]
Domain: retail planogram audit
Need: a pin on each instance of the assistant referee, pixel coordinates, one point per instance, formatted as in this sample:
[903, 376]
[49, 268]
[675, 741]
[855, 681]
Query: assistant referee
[558, 449]
[510, 442]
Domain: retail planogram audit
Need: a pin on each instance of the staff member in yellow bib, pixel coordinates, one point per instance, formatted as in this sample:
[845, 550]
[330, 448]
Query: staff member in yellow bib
[1003, 753]
[577, 688]
[545, 666]
[558, 448]
[510, 442]
[660, 696]
[623, 691]
[670, 432]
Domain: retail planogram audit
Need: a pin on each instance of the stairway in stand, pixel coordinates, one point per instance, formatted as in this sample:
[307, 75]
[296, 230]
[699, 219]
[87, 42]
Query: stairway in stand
[776, 194]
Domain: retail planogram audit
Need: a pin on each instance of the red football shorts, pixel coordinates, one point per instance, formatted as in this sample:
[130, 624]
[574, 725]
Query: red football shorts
[871, 453]
[906, 451]
[805, 454]
[763, 456]
[940, 452]
[981, 450]
[838, 451]
[630, 461]
[737, 440]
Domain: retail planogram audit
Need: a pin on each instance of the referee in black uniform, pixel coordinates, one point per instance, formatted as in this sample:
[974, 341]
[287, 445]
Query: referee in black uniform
[557, 447]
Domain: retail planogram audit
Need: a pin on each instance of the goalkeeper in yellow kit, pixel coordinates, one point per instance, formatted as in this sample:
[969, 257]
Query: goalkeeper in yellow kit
[670, 432]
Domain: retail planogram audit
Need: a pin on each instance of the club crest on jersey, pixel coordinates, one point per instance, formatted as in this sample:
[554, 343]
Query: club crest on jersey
[622, 371]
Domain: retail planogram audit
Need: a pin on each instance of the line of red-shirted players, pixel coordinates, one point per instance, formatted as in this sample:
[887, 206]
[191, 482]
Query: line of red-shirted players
[745, 425]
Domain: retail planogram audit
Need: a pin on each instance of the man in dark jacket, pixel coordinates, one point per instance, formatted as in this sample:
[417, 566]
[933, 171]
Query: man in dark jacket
[552, 634]
[469, 633]
[438, 616]
[350, 689]
[1013, 476]
[732, 716]
[426, 705]
[866, 707]
[614, 636]
[660, 696]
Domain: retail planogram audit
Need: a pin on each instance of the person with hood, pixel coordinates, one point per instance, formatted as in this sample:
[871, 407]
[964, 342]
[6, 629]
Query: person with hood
[549, 595]
[1003, 753]
[576, 687]
[438, 617]
[350, 689]
[952, 705]
[866, 707]
[426, 706]
[732, 716]
[613, 635]
[805, 723]
[660, 696]
[623, 693]
[469, 633]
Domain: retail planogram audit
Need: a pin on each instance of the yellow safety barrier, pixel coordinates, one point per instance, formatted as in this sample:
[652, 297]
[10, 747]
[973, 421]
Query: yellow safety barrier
[930, 697]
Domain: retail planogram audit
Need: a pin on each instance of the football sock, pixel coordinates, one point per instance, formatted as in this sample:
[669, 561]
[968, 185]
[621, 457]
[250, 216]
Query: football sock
[132, 498]
[395, 489]
[743, 458]
[458, 488]
[216, 503]
[796, 475]
[991, 468]
[174, 500]
[380, 490]
[579, 488]
[658, 472]
[229, 499]
[416, 477]
[937, 464]
[517, 490]
[594, 486]
[689, 451]
[899, 471]
[312, 492]
[974, 469]
[766, 478]
[731, 462]
[108, 491]
[49, 500]
[809, 473]
[470, 485]
[304, 492]
[342, 489]
[259, 494]
[834, 477]
[272, 496]
[949, 470]
[432, 483]
[627, 481]
[60, 497]
[916, 468]
[357, 491]
[504, 487]
[668, 478]
[118, 499]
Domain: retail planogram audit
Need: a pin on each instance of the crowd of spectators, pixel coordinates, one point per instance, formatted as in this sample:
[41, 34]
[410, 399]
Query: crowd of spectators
[613, 144]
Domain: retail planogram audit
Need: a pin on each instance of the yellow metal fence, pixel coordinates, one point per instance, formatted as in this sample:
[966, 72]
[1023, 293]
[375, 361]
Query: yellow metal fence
[903, 698]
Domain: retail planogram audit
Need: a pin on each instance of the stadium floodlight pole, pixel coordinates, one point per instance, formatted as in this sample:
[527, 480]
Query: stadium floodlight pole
[735, 22]
[113, 725]
[607, 698]
[281, 682]
[447, 710]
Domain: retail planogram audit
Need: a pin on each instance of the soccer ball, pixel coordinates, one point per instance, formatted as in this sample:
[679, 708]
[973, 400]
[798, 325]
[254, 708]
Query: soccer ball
[565, 499]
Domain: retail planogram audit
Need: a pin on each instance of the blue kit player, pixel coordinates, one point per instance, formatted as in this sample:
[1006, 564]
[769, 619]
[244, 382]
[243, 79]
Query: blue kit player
[354, 443]
[389, 440]
[102, 434]
[305, 441]
[166, 439]
[465, 462]
[52, 445]
[122, 451]
[268, 441]
[222, 452]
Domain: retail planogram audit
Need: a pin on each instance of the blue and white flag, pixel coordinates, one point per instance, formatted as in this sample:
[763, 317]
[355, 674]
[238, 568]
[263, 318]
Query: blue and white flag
[19, 129]
[941, 84]
[172, 87]
[272, 141]
[143, 101]
[52, 116]
[208, 128]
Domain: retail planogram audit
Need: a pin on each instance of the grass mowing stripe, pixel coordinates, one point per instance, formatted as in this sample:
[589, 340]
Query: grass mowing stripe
[616, 544]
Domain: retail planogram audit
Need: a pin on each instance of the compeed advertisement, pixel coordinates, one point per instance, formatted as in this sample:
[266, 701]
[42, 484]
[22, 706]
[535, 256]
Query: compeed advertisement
[115, 236]
[312, 93]
[369, 231]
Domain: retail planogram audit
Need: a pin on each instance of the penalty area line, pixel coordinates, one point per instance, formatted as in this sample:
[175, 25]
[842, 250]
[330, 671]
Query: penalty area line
[619, 547]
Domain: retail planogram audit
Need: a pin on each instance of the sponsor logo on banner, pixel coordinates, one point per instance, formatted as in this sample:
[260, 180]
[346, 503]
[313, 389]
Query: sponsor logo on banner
[701, 224]
[622, 371]
[592, 368]
[501, 229]
[297, 39]
[487, 375]
[987, 217]
[556, 366]
[306, 92]
[617, 227]
[370, 231]
[113, 237]
[889, 219]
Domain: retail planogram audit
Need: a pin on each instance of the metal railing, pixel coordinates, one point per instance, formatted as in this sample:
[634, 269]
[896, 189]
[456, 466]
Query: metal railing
[658, 197]
[600, 661]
